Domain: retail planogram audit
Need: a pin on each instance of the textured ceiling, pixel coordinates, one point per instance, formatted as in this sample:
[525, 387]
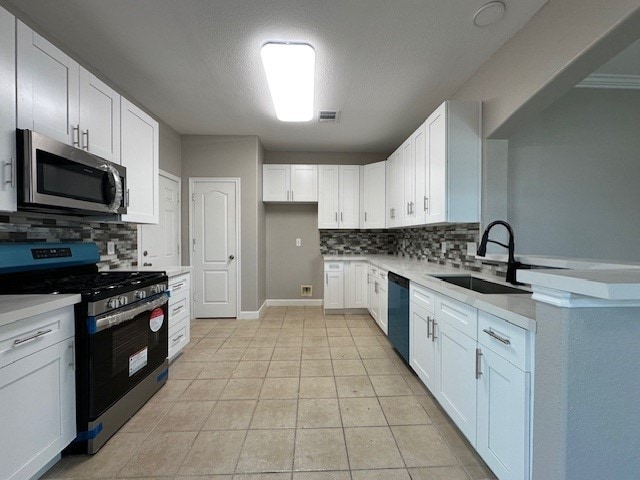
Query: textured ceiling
[626, 62]
[385, 64]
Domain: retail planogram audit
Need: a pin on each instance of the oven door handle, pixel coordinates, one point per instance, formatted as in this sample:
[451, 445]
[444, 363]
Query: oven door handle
[124, 315]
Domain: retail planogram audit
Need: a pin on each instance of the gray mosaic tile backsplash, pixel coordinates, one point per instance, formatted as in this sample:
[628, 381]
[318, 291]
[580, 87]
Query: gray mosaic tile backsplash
[36, 227]
[414, 242]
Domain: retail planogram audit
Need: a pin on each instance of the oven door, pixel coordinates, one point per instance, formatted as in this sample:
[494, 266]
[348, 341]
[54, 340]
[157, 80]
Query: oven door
[55, 175]
[125, 345]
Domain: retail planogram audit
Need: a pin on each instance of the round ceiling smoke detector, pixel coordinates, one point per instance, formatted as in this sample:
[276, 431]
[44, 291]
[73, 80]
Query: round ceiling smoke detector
[489, 14]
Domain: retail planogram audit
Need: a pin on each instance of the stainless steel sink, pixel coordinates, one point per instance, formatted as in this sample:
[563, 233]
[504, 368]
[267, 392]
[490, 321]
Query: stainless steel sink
[479, 285]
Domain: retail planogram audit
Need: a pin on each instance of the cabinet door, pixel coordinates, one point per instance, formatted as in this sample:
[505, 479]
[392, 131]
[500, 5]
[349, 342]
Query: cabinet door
[7, 111]
[436, 172]
[422, 348]
[304, 183]
[333, 290]
[419, 139]
[99, 117]
[374, 195]
[503, 417]
[356, 286]
[37, 394]
[456, 385]
[276, 183]
[408, 182]
[383, 302]
[374, 291]
[48, 90]
[328, 193]
[349, 198]
[390, 191]
[139, 154]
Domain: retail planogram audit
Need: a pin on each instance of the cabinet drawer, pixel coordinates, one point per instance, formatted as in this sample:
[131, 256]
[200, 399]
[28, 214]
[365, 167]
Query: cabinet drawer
[334, 266]
[177, 341]
[176, 325]
[178, 311]
[457, 314]
[505, 339]
[179, 284]
[422, 297]
[24, 337]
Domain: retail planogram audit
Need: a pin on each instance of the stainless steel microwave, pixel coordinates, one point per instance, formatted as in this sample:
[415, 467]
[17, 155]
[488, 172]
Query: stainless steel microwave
[54, 176]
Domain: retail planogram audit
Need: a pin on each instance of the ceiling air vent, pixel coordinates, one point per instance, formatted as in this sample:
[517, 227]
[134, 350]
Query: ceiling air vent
[327, 116]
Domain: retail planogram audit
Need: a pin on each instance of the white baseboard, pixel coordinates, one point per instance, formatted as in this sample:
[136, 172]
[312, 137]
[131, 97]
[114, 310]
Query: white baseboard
[294, 302]
[248, 315]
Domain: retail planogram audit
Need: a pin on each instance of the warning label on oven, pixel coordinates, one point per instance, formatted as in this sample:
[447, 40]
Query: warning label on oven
[137, 361]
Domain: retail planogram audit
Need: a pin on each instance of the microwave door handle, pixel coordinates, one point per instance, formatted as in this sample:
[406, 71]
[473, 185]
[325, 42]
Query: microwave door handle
[124, 315]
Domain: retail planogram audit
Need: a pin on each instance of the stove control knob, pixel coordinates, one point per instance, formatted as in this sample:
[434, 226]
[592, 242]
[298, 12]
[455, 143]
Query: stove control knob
[157, 289]
[122, 301]
[113, 303]
[140, 294]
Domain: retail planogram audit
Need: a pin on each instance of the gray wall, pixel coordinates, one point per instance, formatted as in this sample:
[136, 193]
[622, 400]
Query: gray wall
[289, 266]
[170, 150]
[262, 231]
[230, 156]
[573, 177]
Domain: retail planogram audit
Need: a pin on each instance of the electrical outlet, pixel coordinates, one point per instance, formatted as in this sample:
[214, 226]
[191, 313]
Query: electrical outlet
[472, 249]
[306, 290]
[111, 248]
[444, 247]
[298, 242]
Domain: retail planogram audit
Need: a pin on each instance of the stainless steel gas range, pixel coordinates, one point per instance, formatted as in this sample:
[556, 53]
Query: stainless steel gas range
[121, 330]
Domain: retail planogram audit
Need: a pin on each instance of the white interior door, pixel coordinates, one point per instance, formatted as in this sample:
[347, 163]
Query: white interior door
[159, 244]
[214, 252]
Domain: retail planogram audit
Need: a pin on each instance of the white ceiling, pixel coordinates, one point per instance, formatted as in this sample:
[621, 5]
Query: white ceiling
[626, 62]
[385, 64]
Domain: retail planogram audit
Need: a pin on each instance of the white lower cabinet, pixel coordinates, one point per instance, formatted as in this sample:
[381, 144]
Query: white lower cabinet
[478, 367]
[37, 392]
[378, 297]
[383, 299]
[355, 285]
[179, 313]
[334, 290]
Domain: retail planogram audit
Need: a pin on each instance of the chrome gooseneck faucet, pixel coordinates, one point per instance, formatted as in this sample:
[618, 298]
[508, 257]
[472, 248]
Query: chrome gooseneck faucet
[512, 265]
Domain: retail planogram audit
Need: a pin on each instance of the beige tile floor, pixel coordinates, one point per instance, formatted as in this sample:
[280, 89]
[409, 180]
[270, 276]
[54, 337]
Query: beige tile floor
[294, 396]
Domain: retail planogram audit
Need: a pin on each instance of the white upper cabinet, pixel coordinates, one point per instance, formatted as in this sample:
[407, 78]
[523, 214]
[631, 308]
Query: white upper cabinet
[290, 183]
[7, 111]
[339, 196]
[394, 190]
[413, 172]
[47, 89]
[99, 117]
[139, 154]
[374, 198]
[408, 182]
[452, 175]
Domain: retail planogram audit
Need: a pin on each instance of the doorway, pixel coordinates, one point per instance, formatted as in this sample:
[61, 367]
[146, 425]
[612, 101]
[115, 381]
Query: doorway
[214, 232]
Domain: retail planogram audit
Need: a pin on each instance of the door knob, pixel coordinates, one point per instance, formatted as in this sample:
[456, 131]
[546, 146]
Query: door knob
[231, 257]
[145, 253]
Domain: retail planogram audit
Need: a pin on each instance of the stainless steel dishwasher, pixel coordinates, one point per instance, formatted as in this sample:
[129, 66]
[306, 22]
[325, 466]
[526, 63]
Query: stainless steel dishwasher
[399, 314]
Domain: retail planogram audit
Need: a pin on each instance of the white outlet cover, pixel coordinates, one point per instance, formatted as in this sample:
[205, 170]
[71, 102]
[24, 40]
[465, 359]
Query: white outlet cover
[111, 248]
[472, 249]
[298, 242]
[444, 247]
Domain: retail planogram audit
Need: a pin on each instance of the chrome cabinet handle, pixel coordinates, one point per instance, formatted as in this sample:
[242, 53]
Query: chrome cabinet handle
[85, 144]
[434, 324]
[426, 204]
[147, 264]
[177, 286]
[127, 197]
[365, 216]
[341, 217]
[326, 279]
[11, 178]
[177, 339]
[376, 287]
[478, 364]
[177, 309]
[493, 334]
[39, 334]
[72, 364]
[75, 135]
[336, 217]
[429, 320]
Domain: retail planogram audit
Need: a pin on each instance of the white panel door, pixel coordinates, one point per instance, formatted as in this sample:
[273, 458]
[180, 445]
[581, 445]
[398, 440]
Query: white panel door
[48, 90]
[160, 243]
[99, 117]
[419, 139]
[356, 287]
[304, 183]
[214, 251]
[328, 195]
[333, 290]
[374, 195]
[139, 154]
[408, 182]
[503, 413]
[422, 347]
[349, 198]
[38, 414]
[436, 173]
[276, 183]
[456, 382]
[7, 111]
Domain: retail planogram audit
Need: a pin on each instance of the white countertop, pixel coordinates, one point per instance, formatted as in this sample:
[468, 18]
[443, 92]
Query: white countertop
[518, 309]
[553, 261]
[172, 271]
[18, 307]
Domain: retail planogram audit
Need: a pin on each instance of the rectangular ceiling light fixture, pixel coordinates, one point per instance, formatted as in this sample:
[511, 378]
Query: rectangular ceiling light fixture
[290, 69]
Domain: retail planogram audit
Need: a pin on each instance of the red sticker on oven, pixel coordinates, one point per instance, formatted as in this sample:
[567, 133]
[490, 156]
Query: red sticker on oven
[156, 320]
